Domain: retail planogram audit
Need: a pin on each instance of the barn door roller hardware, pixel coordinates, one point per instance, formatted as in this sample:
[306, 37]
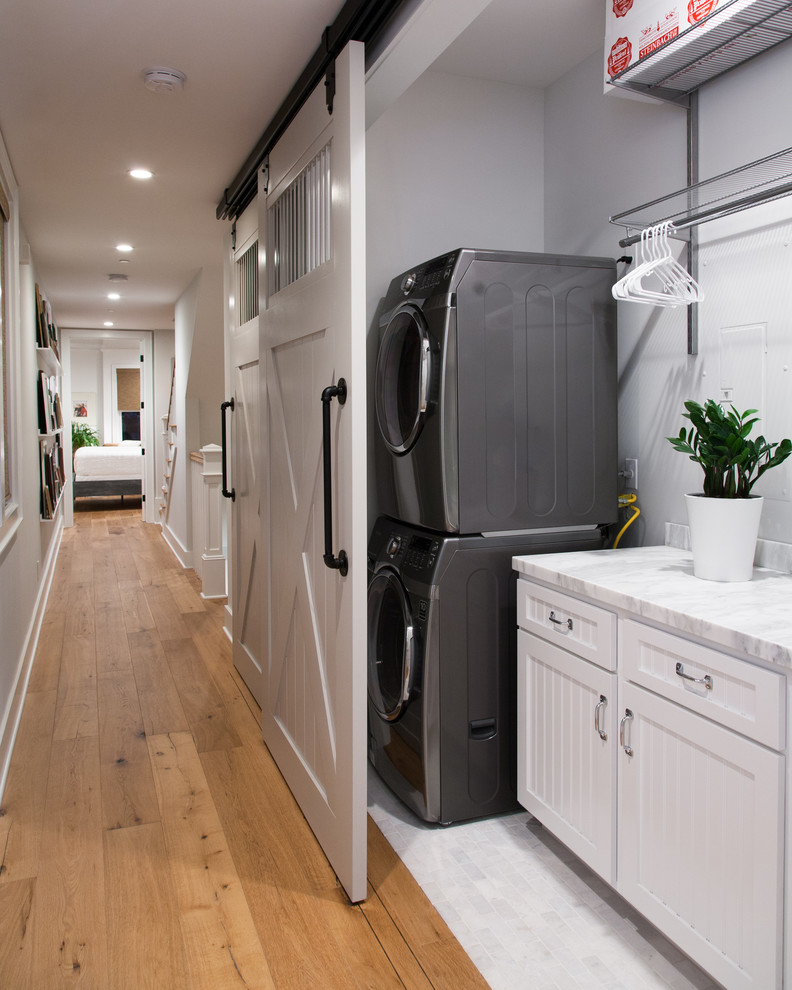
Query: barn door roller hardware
[359, 20]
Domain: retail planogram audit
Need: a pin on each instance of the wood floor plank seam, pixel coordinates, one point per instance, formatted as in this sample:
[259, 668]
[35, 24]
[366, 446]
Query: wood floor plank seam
[165, 850]
[398, 966]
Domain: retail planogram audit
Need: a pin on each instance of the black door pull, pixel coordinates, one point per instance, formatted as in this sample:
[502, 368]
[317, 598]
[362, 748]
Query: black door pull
[223, 408]
[341, 562]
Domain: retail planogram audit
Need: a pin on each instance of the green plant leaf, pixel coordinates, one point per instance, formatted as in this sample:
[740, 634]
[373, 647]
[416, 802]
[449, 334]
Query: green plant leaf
[718, 440]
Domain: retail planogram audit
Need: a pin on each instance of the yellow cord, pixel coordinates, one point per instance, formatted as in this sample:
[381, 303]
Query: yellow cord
[624, 502]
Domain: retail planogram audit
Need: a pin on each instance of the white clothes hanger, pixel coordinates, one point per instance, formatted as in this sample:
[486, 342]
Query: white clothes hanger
[676, 286]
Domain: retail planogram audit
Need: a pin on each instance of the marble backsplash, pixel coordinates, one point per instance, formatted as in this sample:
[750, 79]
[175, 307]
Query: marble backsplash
[775, 556]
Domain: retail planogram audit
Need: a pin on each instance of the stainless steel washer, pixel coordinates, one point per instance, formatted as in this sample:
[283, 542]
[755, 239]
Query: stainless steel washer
[441, 665]
[495, 393]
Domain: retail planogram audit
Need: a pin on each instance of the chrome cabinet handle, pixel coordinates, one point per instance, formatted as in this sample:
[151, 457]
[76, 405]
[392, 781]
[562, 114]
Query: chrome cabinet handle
[706, 680]
[598, 708]
[628, 716]
[560, 622]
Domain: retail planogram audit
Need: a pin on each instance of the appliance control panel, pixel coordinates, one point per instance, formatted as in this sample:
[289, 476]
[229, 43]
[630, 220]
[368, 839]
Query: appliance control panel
[429, 276]
[418, 552]
[422, 552]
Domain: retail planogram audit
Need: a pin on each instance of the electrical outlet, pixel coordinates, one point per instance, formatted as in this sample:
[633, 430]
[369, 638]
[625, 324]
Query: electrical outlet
[631, 473]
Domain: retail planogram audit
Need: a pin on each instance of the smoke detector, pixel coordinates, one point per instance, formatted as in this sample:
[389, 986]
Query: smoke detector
[160, 79]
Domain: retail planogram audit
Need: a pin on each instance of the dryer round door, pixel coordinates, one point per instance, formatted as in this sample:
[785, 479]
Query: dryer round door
[403, 379]
[391, 645]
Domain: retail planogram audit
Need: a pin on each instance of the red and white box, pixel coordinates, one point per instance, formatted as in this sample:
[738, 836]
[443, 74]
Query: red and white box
[636, 28]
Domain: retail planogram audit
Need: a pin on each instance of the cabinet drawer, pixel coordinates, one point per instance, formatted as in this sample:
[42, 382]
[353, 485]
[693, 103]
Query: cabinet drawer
[586, 630]
[732, 692]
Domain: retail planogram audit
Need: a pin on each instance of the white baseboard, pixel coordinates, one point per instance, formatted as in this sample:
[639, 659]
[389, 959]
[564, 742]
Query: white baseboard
[13, 714]
[180, 552]
[228, 622]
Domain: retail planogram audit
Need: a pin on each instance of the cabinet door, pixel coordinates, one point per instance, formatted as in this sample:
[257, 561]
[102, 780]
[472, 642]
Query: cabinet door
[700, 838]
[567, 749]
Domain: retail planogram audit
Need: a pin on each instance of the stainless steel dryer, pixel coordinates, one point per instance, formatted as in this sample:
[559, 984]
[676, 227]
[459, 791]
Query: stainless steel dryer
[441, 665]
[495, 393]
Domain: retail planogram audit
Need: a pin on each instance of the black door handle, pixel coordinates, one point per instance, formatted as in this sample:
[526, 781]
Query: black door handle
[225, 406]
[341, 562]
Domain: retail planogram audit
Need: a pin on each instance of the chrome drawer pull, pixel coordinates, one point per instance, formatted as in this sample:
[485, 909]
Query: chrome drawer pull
[627, 715]
[706, 680]
[603, 701]
[560, 622]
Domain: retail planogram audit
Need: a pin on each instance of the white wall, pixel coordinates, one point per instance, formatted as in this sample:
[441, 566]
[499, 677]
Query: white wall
[746, 266]
[605, 154]
[87, 379]
[197, 394]
[177, 525]
[92, 371]
[459, 161]
[205, 379]
[455, 162]
[634, 152]
[27, 545]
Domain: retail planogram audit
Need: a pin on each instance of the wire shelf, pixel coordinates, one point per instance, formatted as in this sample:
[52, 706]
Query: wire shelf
[761, 181]
[735, 32]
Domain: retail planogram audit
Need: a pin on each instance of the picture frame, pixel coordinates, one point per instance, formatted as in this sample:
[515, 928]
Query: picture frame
[83, 405]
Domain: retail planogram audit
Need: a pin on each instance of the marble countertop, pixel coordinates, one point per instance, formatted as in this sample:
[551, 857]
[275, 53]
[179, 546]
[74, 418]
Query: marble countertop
[657, 583]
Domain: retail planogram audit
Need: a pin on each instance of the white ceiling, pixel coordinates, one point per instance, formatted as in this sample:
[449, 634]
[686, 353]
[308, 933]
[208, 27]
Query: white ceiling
[75, 117]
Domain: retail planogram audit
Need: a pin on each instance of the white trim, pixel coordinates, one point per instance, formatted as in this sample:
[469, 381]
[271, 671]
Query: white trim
[228, 620]
[13, 714]
[8, 530]
[13, 355]
[180, 552]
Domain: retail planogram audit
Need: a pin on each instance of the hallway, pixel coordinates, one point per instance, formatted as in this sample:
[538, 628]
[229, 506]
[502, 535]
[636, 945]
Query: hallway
[147, 840]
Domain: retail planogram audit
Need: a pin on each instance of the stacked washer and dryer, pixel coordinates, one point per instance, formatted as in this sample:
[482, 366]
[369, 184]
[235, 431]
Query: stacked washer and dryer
[495, 393]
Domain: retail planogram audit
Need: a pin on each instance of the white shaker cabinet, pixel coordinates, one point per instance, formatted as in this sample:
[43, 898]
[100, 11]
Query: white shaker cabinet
[673, 789]
[566, 728]
[566, 739]
[700, 838]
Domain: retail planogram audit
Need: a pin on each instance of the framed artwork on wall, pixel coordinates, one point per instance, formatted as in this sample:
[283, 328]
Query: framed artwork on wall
[84, 407]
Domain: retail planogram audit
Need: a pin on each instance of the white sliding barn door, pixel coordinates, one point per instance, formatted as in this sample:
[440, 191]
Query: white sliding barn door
[313, 334]
[249, 614]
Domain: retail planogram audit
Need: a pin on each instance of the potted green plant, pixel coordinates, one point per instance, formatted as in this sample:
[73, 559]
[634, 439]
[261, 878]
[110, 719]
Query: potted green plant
[724, 517]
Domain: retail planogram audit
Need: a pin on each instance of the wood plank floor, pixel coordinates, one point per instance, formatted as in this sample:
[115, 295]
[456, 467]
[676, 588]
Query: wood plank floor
[147, 840]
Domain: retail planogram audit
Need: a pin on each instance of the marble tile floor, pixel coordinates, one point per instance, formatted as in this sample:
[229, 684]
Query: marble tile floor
[530, 915]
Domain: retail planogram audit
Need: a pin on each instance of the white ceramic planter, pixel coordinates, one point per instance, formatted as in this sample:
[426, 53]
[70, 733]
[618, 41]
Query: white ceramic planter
[723, 534]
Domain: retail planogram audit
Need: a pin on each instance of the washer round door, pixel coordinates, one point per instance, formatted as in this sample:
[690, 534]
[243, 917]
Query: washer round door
[403, 379]
[391, 645]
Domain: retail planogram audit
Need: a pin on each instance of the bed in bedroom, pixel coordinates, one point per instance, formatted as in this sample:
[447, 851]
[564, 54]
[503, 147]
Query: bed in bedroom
[114, 470]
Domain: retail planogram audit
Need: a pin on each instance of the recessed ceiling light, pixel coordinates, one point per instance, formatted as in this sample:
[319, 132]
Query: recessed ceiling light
[109, 323]
[113, 295]
[140, 173]
[123, 247]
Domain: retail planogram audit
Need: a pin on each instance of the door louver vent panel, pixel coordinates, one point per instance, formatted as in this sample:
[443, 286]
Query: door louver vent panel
[298, 225]
[247, 285]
